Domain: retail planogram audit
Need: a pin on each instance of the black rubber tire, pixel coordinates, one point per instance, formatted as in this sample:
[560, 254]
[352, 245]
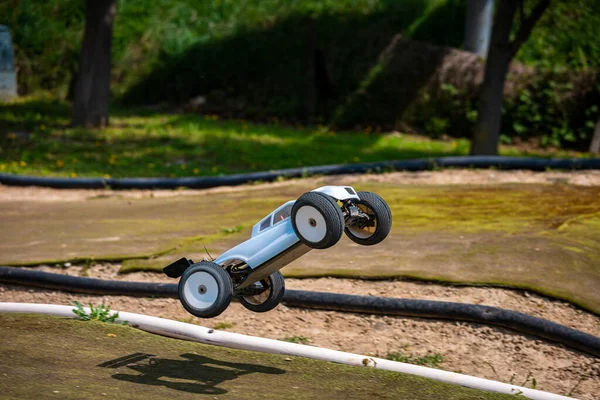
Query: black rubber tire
[277, 290]
[224, 286]
[331, 212]
[383, 216]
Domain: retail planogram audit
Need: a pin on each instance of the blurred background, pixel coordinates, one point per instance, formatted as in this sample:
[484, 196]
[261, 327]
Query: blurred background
[343, 80]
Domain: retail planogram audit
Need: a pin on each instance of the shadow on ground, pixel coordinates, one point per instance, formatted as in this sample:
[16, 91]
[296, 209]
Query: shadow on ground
[84, 360]
[191, 373]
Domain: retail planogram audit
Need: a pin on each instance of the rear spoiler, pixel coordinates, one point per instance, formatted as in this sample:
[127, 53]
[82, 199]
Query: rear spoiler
[177, 268]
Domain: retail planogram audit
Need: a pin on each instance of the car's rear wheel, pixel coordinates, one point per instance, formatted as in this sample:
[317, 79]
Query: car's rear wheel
[268, 299]
[205, 289]
[317, 220]
[377, 227]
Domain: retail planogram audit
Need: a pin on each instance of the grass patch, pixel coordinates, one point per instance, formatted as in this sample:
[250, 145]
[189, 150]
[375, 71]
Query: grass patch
[95, 360]
[235, 229]
[101, 313]
[188, 145]
[297, 339]
[500, 208]
[35, 139]
[430, 360]
[224, 325]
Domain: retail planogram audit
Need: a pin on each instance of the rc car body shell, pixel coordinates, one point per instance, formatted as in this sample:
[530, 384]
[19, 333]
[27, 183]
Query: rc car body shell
[274, 242]
[250, 270]
[339, 192]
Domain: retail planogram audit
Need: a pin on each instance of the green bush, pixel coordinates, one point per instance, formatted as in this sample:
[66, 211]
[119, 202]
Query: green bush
[48, 34]
[249, 59]
[558, 108]
[47, 37]
[565, 37]
[444, 110]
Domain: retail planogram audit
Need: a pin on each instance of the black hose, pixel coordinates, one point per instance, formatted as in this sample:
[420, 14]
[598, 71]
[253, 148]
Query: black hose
[67, 283]
[330, 301]
[447, 310]
[500, 162]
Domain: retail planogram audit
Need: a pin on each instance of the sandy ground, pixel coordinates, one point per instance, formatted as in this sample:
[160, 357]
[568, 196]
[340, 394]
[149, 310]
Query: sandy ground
[488, 352]
[473, 349]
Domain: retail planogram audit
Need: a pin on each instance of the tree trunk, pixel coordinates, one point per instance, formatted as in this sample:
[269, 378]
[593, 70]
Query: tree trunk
[92, 90]
[595, 145]
[500, 55]
[489, 118]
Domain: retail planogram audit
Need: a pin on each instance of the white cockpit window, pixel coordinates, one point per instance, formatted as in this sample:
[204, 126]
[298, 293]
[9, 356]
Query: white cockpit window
[266, 223]
[282, 214]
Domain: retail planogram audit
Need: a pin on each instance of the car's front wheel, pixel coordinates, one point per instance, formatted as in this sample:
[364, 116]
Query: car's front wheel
[205, 289]
[317, 220]
[269, 298]
[376, 227]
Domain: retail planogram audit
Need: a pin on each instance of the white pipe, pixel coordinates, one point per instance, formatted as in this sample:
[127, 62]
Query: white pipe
[205, 335]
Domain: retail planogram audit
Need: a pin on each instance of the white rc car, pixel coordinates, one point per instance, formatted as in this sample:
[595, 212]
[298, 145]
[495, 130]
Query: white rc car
[250, 270]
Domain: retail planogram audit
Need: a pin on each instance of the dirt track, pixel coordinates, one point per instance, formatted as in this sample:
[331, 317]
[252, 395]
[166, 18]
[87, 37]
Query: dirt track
[483, 351]
[489, 352]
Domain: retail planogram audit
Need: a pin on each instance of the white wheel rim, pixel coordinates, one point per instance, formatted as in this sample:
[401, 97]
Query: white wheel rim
[201, 290]
[311, 224]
